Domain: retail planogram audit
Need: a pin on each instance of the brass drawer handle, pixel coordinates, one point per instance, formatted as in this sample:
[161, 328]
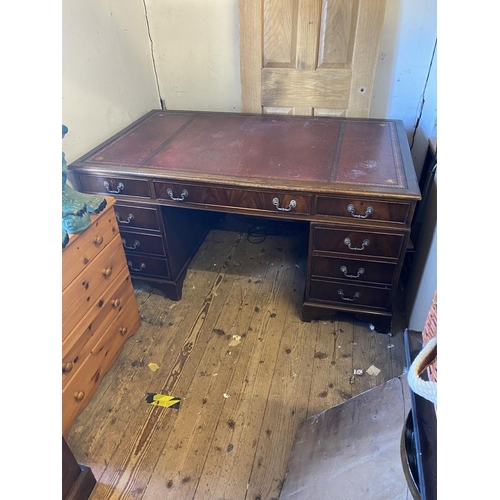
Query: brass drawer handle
[130, 218]
[137, 243]
[291, 205]
[356, 295]
[115, 303]
[123, 330]
[347, 243]
[351, 210]
[67, 367]
[107, 272]
[361, 271]
[119, 188]
[98, 240]
[184, 194]
[79, 395]
[141, 267]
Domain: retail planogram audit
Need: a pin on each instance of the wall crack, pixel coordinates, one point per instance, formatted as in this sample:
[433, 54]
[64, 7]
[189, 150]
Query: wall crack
[422, 100]
[162, 102]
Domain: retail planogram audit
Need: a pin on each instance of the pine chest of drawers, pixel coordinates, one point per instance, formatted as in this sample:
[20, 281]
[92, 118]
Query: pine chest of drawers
[99, 310]
[352, 180]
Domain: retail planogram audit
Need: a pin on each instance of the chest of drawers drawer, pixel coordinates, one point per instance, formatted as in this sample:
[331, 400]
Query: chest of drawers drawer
[89, 285]
[359, 242]
[229, 198]
[114, 186]
[77, 346]
[79, 255]
[82, 386]
[356, 209]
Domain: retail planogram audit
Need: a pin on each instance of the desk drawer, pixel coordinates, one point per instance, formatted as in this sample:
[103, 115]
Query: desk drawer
[134, 216]
[135, 242]
[356, 242]
[81, 295]
[363, 209]
[115, 186]
[276, 202]
[353, 270]
[139, 265]
[337, 292]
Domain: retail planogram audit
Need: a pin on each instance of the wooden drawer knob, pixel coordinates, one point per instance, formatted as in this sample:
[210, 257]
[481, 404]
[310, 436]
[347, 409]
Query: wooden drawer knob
[79, 395]
[123, 330]
[115, 303]
[67, 367]
[98, 240]
[107, 271]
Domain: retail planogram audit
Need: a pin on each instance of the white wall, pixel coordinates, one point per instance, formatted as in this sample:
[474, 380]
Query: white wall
[197, 53]
[406, 51]
[423, 277]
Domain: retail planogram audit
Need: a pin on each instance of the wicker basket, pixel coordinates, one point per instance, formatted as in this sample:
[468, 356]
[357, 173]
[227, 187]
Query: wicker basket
[430, 331]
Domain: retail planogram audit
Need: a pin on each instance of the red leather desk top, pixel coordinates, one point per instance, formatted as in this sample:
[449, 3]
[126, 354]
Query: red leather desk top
[361, 153]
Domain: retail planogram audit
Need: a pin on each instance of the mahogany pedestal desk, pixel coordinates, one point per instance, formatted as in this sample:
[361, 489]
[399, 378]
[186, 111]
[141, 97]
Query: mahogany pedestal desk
[353, 181]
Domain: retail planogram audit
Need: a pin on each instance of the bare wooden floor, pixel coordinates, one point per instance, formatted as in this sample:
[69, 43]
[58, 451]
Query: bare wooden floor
[246, 369]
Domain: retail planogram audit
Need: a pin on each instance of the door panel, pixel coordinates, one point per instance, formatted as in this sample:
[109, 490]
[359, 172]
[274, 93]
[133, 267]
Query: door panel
[309, 57]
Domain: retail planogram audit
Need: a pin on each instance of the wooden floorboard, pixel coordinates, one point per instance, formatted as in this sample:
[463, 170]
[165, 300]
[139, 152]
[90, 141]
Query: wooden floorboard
[246, 369]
